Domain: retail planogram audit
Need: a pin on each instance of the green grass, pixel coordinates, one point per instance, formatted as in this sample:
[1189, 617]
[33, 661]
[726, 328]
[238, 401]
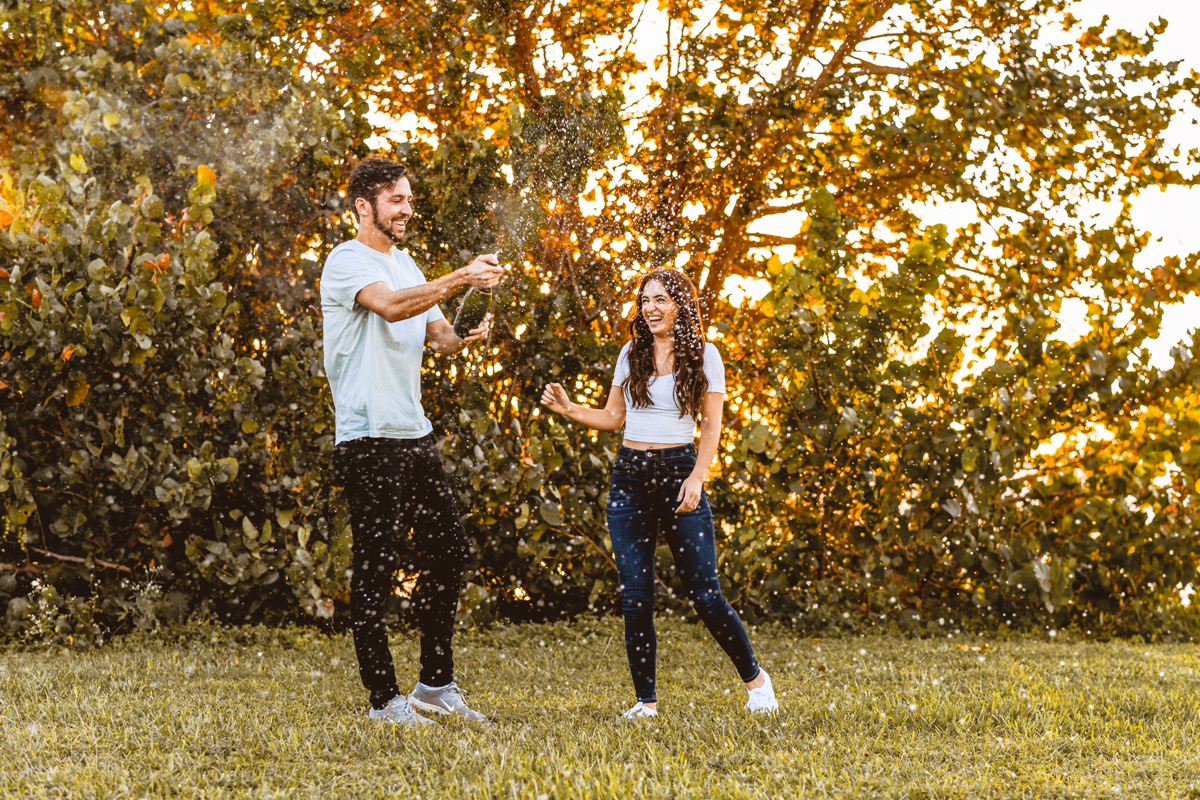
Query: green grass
[282, 714]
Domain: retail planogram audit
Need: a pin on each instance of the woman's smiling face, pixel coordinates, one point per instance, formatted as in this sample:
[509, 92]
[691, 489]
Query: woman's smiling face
[658, 309]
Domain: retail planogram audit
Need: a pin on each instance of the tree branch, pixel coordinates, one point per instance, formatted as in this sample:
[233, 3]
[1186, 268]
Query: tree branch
[816, 13]
[879, 8]
[769, 240]
[523, 48]
[863, 67]
[78, 560]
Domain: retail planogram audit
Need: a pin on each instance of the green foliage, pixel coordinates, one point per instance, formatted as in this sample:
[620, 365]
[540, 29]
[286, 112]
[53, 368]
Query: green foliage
[885, 477]
[908, 433]
[164, 399]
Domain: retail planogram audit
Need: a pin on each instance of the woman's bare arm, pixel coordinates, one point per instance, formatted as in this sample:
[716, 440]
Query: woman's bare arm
[711, 409]
[710, 436]
[609, 418]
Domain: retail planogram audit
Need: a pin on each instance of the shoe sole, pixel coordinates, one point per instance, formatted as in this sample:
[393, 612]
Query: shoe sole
[419, 722]
[426, 706]
[431, 709]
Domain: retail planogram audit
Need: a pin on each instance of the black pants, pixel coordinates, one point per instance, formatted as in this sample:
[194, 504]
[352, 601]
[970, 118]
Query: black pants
[393, 485]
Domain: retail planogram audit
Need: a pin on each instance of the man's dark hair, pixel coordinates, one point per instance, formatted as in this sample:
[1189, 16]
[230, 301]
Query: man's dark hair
[371, 176]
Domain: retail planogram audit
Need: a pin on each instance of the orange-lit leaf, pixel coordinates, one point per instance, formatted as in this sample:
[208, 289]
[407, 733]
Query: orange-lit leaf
[205, 176]
[67, 352]
[77, 394]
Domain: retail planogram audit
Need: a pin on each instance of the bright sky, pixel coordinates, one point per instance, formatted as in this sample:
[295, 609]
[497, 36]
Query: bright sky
[1170, 215]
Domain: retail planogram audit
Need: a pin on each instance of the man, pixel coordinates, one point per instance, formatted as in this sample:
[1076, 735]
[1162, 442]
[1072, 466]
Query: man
[378, 313]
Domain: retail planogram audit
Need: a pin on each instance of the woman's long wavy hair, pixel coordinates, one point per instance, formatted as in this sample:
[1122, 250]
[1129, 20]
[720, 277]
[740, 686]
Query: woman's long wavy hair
[690, 381]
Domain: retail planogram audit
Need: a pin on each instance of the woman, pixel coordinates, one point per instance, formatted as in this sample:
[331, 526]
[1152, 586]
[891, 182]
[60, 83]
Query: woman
[667, 376]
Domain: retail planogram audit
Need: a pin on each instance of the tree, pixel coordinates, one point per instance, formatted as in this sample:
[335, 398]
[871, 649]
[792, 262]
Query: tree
[928, 356]
[889, 104]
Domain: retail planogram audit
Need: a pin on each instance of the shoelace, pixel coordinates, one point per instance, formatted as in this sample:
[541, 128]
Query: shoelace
[402, 711]
[454, 691]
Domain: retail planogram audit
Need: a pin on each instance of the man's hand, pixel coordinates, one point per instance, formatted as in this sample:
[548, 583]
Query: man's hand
[483, 273]
[480, 333]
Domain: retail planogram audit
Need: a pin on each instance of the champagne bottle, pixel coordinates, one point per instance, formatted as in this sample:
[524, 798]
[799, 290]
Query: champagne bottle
[471, 311]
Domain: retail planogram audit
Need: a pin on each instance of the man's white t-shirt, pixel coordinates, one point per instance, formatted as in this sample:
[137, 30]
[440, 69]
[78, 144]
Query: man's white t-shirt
[373, 366]
[660, 421]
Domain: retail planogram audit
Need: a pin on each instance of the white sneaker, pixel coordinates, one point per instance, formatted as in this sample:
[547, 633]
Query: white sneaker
[447, 699]
[639, 711]
[398, 711]
[762, 700]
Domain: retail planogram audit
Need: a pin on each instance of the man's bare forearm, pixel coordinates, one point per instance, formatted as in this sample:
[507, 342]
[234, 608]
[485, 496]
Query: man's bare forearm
[408, 303]
[447, 344]
[447, 347]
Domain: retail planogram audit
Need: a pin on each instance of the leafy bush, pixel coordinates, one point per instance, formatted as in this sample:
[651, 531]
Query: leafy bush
[884, 478]
[165, 405]
[907, 436]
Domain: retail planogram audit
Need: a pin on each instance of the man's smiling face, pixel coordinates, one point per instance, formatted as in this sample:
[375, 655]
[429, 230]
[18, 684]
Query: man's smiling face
[392, 209]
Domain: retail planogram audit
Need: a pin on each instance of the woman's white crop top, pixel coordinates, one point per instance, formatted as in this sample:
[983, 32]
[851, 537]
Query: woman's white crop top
[660, 421]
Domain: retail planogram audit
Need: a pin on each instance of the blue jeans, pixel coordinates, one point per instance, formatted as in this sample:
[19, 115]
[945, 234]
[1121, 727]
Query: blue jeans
[641, 504]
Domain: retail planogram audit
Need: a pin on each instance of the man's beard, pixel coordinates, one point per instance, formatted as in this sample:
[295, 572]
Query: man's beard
[396, 238]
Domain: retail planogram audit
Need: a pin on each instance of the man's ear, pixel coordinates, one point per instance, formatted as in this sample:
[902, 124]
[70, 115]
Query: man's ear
[359, 212]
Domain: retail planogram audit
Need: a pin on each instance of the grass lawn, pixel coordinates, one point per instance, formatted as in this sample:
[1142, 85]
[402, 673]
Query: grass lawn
[266, 714]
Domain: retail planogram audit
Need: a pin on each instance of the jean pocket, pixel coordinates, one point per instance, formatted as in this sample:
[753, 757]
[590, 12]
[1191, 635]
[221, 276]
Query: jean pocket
[624, 466]
[680, 468]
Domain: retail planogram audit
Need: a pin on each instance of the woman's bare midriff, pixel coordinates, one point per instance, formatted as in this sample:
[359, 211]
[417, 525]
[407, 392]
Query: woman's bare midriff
[651, 445]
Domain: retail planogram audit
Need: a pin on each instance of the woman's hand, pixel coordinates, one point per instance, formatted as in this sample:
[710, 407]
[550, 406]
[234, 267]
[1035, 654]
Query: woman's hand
[689, 494]
[555, 398]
